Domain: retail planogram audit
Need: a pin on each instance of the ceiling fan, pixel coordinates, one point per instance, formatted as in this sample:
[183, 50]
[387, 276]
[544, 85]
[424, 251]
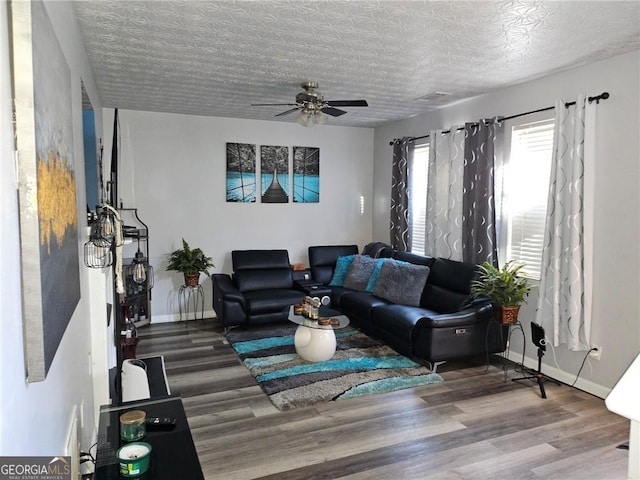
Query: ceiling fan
[313, 107]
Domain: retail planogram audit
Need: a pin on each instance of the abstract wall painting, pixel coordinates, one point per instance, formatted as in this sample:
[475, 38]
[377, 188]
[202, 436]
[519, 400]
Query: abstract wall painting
[241, 172]
[46, 186]
[306, 174]
[274, 169]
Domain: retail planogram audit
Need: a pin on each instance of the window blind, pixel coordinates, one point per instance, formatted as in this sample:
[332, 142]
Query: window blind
[418, 197]
[527, 193]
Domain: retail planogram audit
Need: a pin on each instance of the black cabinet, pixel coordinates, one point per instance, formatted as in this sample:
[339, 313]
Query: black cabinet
[173, 454]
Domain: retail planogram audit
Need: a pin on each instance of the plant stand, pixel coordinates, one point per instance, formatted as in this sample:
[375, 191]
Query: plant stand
[190, 298]
[512, 327]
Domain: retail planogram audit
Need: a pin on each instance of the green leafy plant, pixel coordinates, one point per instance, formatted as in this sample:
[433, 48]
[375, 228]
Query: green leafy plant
[505, 287]
[190, 261]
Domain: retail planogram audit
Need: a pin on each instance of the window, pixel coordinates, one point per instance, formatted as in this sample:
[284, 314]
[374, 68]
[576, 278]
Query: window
[418, 197]
[526, 191]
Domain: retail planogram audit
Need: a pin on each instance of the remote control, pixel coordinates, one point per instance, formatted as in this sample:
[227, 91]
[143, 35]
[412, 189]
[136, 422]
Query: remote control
[161, 423]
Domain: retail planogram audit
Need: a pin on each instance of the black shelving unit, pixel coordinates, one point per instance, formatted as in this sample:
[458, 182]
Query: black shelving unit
[136, 236]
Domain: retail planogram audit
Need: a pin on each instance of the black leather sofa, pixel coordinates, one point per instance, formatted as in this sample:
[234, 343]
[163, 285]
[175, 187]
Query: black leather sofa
[448, 323]
[261, 289]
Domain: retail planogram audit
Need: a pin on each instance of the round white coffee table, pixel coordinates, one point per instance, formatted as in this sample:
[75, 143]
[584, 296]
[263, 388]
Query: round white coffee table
[314, 342]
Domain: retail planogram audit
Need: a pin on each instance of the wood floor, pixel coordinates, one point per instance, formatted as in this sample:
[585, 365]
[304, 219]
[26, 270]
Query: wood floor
[472, 426]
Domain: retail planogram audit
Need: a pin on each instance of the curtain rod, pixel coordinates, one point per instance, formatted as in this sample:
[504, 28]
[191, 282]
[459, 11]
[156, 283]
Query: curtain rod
[597, 98]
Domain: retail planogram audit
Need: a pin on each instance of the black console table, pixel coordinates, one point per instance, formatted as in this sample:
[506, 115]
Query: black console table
[173, 453]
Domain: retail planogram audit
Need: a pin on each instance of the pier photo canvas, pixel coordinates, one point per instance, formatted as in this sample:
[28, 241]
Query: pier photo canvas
[274, 173]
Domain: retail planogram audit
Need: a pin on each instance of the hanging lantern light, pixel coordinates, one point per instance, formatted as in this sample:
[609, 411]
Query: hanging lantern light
[140, 270]
[97, 254]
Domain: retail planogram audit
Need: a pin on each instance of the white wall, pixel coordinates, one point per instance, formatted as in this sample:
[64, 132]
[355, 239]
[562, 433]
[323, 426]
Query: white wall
[34, 418]
[173, 170]
[616, 323]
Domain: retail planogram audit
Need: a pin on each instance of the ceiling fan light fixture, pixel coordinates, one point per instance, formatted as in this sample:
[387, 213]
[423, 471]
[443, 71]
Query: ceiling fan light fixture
[321, 118]
[303, 118]
[312, 108]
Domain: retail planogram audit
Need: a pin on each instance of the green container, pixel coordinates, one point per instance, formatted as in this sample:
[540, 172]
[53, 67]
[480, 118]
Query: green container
[134, 459]
[132, 425]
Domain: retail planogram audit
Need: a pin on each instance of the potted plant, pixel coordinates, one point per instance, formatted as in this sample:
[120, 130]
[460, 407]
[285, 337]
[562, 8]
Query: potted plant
[191, 262]
[505, 287]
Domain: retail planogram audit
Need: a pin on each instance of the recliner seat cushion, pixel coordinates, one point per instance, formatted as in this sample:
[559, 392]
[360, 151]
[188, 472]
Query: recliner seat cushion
[267, 301]
[360, 304]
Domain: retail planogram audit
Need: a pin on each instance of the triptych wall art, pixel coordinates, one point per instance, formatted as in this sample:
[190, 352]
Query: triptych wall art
[275, 176]
[46, 186]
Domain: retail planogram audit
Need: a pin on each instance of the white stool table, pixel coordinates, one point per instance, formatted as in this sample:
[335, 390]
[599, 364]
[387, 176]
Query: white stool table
[314, 342]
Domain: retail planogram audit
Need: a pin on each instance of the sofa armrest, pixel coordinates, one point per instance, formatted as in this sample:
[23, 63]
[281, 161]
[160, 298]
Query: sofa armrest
[228, 302]
[475, 313]
[223, 287]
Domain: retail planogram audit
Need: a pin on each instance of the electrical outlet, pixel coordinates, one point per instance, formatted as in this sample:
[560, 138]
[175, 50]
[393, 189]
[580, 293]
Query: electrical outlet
[597, 353]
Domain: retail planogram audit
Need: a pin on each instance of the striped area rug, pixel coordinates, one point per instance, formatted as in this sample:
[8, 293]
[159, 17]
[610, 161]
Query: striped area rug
[361, 366]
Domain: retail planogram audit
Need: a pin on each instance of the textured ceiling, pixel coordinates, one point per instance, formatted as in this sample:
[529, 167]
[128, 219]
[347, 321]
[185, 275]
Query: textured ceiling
[217, 57]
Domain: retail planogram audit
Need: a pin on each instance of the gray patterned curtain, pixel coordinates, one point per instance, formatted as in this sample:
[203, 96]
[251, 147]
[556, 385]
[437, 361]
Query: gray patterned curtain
[400, 233]
[566, 285]
[483, 148]
[443, 223]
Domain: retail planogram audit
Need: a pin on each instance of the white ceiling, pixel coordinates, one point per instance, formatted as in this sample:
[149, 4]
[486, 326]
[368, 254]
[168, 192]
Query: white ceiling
[215, 58]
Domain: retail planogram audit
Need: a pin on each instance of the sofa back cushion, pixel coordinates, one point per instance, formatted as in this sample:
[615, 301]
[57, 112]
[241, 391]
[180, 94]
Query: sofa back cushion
[322, 260]
[261, 269]
[449, 287]
[414, 258]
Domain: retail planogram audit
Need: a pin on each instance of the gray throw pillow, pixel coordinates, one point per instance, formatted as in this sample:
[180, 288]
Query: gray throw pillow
[401, 283]
[358, 275]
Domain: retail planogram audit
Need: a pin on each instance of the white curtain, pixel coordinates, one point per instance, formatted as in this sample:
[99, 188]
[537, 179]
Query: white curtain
[566, 283]
[444, 194]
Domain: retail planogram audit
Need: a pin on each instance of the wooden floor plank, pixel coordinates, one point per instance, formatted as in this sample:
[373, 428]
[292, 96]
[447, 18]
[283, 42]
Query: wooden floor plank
[474, 425]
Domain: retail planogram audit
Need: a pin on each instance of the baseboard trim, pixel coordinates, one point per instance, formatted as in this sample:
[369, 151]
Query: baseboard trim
[562, 376]
[175, 317]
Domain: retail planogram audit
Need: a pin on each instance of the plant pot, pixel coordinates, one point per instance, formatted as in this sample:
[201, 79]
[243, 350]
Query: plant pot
[191, 279]
[508, 315]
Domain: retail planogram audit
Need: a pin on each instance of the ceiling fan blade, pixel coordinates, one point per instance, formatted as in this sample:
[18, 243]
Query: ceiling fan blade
[334, 112]
[287, 112]
[348, 103]
[274, 104]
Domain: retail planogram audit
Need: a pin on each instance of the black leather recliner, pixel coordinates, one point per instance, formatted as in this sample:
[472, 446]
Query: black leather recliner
[260, 291]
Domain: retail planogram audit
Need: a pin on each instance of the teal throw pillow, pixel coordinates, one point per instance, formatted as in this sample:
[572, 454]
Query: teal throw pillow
[374, 275]
[342, 267]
